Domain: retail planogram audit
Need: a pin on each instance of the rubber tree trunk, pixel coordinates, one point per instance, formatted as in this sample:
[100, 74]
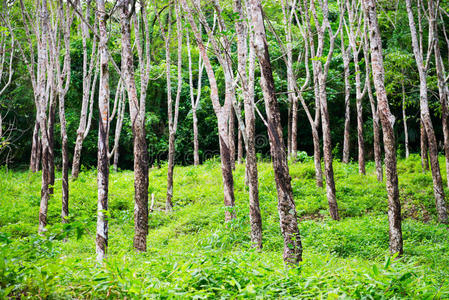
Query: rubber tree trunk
[424, 150]
[103, 134]
[286, 205]
[139, 142]
[427, 122]
[347, 129]
[247, 81]
[232, 137]
[387, 119]
[404, 119]
[36, 147]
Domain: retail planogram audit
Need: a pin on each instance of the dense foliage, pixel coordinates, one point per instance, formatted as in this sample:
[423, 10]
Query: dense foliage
[399, 63]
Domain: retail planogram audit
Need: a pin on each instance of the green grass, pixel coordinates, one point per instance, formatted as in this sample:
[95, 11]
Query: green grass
[193, 254]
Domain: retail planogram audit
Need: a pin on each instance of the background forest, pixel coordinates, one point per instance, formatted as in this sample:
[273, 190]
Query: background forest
[224, 149]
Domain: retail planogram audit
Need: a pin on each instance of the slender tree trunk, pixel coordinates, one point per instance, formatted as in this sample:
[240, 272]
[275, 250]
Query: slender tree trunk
[247, 81]
[51, 142]
[424, 150]
[138, 126]
[231, 131]
[404, 119]
[35, 149]
[118, 130]
[88, 91]
[425, 116]
[103, 133]
[374, 109]
[387, 119]
[347, 130]
[442, 85]
[196, 156]
[239, 147]
[286, 204]
[42, 101]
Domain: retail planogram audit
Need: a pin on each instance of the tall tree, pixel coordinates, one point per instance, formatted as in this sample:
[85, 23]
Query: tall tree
[387, 119]
[320, 72]
[221, 111]
[137, 111]
[90, 74]
[103, 135]
[286, 204]
[246, 68]
[425, 115]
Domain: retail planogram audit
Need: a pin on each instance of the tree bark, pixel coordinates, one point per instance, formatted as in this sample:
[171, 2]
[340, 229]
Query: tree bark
[103, 134]
[286, 204]
[88, 91]
[374, 109]
[231, 131]
[387, 119]
[442, 84]
[137, 113]
[404, 119]
[222, 112]
[247, 81]
[239, 147]
[347, 130]
[36, 147]
[424, 149]
[427, 122]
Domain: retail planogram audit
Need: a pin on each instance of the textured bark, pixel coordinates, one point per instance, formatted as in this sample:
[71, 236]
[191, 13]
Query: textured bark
[286, 204]
[404, 119]
[118, 129]
[36, 147]
[221, 112]
[231, 132]
[239, 147]
[195, 100]
[320, 71]
[387, 119]
[423, 147]
[442, 84]
[355, 42]
[347, 130]
[374, 109]
[51, 137]
[172, 111]
[426, 119]
[103, 134]
[137, 113]
[247, 82]
[89, 67]
[63, 76]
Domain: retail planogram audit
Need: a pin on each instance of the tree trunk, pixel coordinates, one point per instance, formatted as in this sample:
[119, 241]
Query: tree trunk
[35, 149]
[103, 134]
[139, 143]
[404, 119]
[51, 142]
[239, 148]
[88, 91]
[442, 85]
[427, 122]
[424, 150]
[286, 204]
[347, 130]
[232, 137]
[247, 81]
[387, 119]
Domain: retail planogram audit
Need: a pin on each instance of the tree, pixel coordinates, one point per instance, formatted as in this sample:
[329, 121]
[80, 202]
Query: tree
[387, 119]
[320, 72]
[137, 112]
[286, 204]
[103, 136]
[425, 116]
[222, 112]
[90, 74]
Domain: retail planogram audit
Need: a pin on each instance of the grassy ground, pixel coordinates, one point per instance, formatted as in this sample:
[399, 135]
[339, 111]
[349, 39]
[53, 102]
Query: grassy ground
[191, 253]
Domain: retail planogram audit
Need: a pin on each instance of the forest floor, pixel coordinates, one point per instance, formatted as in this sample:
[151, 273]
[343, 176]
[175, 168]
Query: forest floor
[193, 254]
